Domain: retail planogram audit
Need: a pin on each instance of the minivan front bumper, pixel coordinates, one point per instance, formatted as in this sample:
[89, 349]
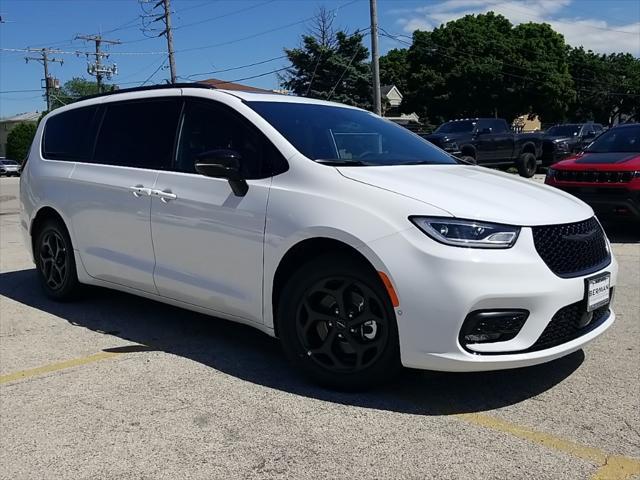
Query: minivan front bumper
[439, 286]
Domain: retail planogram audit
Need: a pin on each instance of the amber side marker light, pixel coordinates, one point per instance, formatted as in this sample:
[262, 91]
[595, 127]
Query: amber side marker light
[390, 290]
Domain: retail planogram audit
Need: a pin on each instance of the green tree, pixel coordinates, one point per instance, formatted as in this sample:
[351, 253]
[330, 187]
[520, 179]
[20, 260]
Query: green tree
[394, 69]
[75, 89]
[481, 65]
[456, 70]
[607, 86]
[19, 140]
[330, 65]
[539, 72]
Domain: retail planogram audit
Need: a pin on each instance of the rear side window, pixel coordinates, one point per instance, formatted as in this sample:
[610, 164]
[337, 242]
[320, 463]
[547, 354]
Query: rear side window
[138, 133]
[68, 135]
[498, 126]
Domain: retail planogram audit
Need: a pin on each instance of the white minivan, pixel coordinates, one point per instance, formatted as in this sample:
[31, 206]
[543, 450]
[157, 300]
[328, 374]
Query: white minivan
[359, 244]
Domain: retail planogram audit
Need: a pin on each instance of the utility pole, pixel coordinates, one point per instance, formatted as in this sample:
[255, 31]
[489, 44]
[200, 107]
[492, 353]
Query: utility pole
[149, 19]
[169, 33]
[44, 59]
[375, 58]
[97, 68]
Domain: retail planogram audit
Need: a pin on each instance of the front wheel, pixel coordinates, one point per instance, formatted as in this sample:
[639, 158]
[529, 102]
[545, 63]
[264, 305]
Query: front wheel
[527, 165]
[337, 324]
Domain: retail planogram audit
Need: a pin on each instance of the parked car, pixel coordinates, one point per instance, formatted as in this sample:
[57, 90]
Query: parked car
[560, 141]
[489, 142]
[606, 174]
[358, 243]
[9, 168]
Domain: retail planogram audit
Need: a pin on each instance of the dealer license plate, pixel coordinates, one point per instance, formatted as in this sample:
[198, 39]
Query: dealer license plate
[598, 291]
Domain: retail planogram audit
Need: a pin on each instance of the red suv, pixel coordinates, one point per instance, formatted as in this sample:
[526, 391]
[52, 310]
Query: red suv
[606, 175]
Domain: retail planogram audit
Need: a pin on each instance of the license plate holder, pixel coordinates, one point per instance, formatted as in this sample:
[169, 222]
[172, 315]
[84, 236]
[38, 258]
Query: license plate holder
[597, 291]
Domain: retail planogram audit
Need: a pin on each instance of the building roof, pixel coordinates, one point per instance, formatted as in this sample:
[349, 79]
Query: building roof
[224, 85]
[22, 117]
[384, 89]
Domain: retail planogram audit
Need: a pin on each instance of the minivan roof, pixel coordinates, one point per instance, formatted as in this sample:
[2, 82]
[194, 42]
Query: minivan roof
[243, 95]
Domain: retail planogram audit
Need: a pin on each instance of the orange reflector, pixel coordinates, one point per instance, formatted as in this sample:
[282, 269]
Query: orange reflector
[389, 286]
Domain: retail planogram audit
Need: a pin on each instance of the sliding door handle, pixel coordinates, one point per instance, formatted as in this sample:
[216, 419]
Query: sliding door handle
[140, 190]
[164, 195]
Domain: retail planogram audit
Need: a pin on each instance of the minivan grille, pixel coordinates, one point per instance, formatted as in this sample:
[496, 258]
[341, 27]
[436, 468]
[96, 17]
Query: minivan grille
[572, 249]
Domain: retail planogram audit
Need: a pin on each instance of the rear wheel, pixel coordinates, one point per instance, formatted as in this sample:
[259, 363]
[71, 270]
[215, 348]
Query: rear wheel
[527, 165]
[55, 261]
[469, 159]
[337, 324]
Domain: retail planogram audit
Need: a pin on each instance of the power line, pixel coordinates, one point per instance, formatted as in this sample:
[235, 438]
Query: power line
[96, 68]
[154, 72]
[502, 72]
[265, 32]
[240, 67]
[45, 59]
[199, 22]
[164, 17]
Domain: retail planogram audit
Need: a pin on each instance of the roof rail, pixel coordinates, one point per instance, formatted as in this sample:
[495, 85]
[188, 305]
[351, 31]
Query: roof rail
[151, 87]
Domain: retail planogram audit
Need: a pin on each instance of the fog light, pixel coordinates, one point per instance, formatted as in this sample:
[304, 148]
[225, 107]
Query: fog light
[484, 326]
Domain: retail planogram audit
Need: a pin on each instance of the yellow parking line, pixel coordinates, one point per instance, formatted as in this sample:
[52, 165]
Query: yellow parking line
[53, 367]
[612, 467]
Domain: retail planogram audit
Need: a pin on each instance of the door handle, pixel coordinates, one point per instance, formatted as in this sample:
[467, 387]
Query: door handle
[139, 190]
[164, 195]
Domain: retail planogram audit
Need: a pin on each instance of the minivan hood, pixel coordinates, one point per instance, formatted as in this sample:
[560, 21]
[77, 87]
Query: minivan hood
[475, 193]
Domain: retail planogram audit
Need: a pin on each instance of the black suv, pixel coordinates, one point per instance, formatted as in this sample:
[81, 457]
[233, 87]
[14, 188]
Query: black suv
[489, 142]
[560, 141]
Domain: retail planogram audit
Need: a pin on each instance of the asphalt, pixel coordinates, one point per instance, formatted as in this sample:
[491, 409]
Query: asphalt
[115, 386]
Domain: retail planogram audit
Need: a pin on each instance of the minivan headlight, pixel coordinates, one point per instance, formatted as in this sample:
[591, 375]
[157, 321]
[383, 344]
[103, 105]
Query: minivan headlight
[467, 233]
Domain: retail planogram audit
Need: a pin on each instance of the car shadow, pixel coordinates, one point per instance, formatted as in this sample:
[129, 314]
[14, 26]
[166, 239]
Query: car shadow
[250, 355]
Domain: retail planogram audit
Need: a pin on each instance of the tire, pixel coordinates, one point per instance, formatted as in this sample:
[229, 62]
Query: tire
[527, 165]
[336, 350]
[469, 159]
[55, 261]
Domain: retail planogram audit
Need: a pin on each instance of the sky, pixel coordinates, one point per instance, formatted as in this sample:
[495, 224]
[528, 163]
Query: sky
[221, 35]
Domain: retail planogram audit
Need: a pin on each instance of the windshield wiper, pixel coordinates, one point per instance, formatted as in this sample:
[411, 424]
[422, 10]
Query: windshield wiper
[344, 163]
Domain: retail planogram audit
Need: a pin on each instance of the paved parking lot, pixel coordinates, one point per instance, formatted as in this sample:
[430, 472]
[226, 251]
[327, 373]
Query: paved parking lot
[115, 386]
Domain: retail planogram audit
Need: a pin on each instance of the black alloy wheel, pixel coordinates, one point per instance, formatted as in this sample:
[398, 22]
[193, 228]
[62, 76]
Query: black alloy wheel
[342, 325]
[337, 324]
[55, 261]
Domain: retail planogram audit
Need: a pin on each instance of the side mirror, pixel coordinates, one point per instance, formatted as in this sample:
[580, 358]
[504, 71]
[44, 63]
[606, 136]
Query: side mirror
[589, 135]
[485, 131]
[223, 164]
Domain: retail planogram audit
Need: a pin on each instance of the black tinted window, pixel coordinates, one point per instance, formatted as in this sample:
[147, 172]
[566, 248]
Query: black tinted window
[68, 135]
[498, 126]
[347, 135]
[209, 126]
[138, 133]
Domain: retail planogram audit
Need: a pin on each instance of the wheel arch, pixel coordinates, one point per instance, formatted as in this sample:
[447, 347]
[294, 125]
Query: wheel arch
[528, 147]
[469, 150]
[300, 252]
[43, 214]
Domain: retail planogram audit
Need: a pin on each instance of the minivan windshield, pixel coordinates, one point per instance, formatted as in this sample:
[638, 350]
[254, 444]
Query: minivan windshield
[346, 136]
[465, 126]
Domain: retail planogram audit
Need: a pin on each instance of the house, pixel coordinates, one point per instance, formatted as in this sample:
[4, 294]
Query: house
[9, 123]
[526, 123]
[391, 100]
